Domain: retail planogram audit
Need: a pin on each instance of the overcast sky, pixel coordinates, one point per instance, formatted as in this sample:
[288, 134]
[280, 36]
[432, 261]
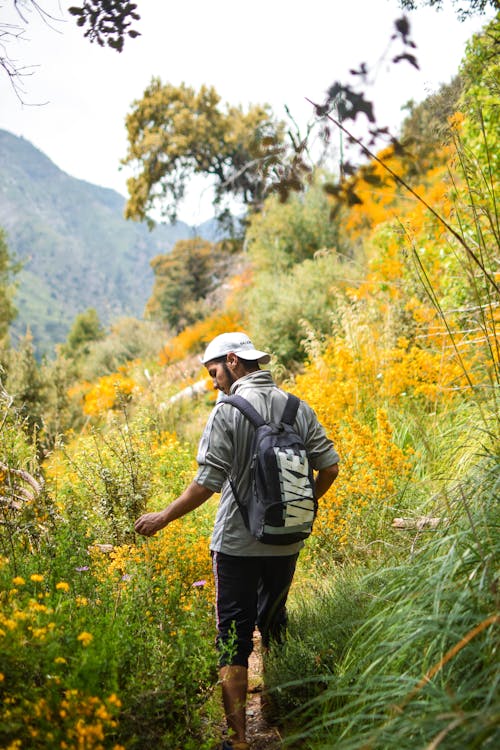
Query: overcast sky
[275, 51]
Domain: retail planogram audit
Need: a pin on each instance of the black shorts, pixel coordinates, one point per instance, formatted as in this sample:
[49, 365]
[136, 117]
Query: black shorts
[250, 591]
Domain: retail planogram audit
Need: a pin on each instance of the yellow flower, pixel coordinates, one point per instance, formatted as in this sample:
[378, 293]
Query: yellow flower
[60, 660]
[2, 677]
[36, 578]
[18, 581]
[85, 638]
[62, 586]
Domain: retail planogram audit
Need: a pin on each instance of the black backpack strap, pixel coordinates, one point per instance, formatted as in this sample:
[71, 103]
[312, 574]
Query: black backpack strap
[290, 410]
[245, 408]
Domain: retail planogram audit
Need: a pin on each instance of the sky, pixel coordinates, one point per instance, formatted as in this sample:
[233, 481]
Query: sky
[74, 102]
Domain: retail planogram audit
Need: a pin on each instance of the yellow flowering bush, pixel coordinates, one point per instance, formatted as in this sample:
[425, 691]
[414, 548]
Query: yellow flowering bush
[193, 338]
[109, 392]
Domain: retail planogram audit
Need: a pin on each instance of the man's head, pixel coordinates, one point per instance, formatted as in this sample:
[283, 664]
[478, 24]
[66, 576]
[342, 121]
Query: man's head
[229, 357]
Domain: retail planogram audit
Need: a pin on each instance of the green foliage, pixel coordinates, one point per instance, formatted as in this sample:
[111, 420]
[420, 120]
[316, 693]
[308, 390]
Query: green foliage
[322, 621]
[298, 270]
[283, 234]
[480, 71]
[175, 132]
[183, 280]
[426, 128]
[467, 7]
[101, 645]
[111, 657]
[128, 339]
[423, 664]
[26, 385]
[283, 310]
[7, 269]
[112, 483]
[86, 329]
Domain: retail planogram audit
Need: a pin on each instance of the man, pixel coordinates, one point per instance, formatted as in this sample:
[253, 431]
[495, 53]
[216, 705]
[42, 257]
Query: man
[252, 579]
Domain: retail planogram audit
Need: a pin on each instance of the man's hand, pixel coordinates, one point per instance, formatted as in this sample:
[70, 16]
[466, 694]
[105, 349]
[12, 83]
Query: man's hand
[150, 523]
[192, 497]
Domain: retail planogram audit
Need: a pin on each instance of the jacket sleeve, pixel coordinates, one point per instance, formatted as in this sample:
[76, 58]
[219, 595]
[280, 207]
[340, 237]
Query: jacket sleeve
[215, 451]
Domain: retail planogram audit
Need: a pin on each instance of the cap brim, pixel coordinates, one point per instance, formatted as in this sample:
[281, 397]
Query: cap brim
[253, 355]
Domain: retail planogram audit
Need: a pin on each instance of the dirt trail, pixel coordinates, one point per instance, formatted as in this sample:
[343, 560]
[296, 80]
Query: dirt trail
[260, 734]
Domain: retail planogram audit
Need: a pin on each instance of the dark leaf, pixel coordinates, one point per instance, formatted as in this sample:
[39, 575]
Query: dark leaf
[353, 199]
[373, 179]
[402, 26]
[331, 189]
[409, 58]
[322, 110]
[348, 168]
[363, 70]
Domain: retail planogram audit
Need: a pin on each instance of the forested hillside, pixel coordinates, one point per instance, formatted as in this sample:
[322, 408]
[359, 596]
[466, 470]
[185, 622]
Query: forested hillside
[379, 296]
[77, 249]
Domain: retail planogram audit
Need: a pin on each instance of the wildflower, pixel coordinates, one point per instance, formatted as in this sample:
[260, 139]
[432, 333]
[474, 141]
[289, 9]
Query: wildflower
[85, 638]
[126, 577]
[199, 583]
[62, 586]
[82, 568]
[114, 700]
[2, 677]
[18, 581]
[36, 578]
[60, 660]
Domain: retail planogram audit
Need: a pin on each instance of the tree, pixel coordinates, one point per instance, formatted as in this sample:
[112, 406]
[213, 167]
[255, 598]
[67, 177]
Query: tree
[426, 128]
[175, 132]
[85, 329]
[7, 269]
[183, 279]
[467, 7]
[25, 384]
[107, 22]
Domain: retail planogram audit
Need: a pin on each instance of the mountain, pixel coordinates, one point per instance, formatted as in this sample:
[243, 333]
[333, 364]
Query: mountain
[76, 248]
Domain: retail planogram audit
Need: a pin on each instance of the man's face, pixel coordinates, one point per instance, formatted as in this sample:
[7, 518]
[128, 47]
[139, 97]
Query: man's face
[222, 377]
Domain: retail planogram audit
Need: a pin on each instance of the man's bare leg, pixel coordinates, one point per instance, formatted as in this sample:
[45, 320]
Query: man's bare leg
[234, 682]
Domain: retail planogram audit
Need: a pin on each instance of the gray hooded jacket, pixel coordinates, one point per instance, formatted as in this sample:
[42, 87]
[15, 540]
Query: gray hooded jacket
[225, 449]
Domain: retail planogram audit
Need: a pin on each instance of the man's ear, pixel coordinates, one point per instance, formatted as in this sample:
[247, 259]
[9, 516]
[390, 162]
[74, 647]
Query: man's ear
[232, 360]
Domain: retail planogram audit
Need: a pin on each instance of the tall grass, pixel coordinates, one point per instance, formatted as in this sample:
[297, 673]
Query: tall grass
[408, 655]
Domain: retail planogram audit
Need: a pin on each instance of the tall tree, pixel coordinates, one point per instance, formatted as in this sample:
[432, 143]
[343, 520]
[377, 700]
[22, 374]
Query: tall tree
[7, 270]
[85, 329]
[175, 132]
[107, 22]
[26, 385]
[183, 279]
[465, 8]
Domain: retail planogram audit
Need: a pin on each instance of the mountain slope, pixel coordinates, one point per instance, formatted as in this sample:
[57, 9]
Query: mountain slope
[77, 249]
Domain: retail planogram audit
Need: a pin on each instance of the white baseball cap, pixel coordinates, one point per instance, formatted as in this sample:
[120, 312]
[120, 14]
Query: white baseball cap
[237, 343]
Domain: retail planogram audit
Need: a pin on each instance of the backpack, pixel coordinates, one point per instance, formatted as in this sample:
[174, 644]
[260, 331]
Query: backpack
[281, 506]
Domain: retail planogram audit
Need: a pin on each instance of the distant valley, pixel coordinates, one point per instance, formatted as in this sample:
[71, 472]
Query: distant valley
[76, 248]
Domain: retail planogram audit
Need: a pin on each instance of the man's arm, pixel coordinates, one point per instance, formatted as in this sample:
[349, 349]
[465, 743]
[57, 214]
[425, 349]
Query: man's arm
[324, 479]
[192, 497]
